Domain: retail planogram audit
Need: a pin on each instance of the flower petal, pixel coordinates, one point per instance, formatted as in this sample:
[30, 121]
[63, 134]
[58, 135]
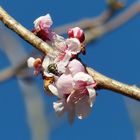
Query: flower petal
[64, 84]
[46, 62]
[82, 76]
[62, 62]
[61, 67]
[92, 95]
[59, 42]
[43, 22]
[48, 74]
[59, 107]
[82, 108]
[75, 97]
[63, 58]
[75, 66]
[46, 22]
[53, 89]
[74, 45]
[30, 62]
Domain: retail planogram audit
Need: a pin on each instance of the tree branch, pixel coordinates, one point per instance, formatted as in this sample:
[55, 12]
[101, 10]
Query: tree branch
[103, 82]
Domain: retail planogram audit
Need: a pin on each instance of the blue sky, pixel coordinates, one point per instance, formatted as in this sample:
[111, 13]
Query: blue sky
[115, 54]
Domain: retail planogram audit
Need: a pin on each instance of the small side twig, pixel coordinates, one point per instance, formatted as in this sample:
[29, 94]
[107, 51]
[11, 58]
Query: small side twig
[8, 73]
[86, 23]
[113, 24]
[123, 17]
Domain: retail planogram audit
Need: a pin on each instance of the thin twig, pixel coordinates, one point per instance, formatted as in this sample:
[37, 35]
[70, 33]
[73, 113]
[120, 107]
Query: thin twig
[124, 17]
[102, 81]
[8, 73]
[85, 23]
[113, 24]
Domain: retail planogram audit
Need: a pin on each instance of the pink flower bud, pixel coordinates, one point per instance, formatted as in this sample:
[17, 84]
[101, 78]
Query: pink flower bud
[76, 33]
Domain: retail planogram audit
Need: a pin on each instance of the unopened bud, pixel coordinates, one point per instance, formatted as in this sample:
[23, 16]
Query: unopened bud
[76, 33]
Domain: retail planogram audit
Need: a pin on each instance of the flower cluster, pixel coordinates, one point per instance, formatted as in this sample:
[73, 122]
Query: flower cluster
[63, 73]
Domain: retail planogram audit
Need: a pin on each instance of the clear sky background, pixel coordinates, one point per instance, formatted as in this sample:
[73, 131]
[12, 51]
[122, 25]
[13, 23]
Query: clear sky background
[116, 55]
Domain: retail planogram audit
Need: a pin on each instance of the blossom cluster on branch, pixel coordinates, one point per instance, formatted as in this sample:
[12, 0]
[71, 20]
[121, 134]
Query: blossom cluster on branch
[62, 71]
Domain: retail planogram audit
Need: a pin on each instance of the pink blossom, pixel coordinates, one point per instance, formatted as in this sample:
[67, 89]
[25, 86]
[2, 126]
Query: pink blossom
[64, 75]
[67, 49]
[65, 84]
[76, 89]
